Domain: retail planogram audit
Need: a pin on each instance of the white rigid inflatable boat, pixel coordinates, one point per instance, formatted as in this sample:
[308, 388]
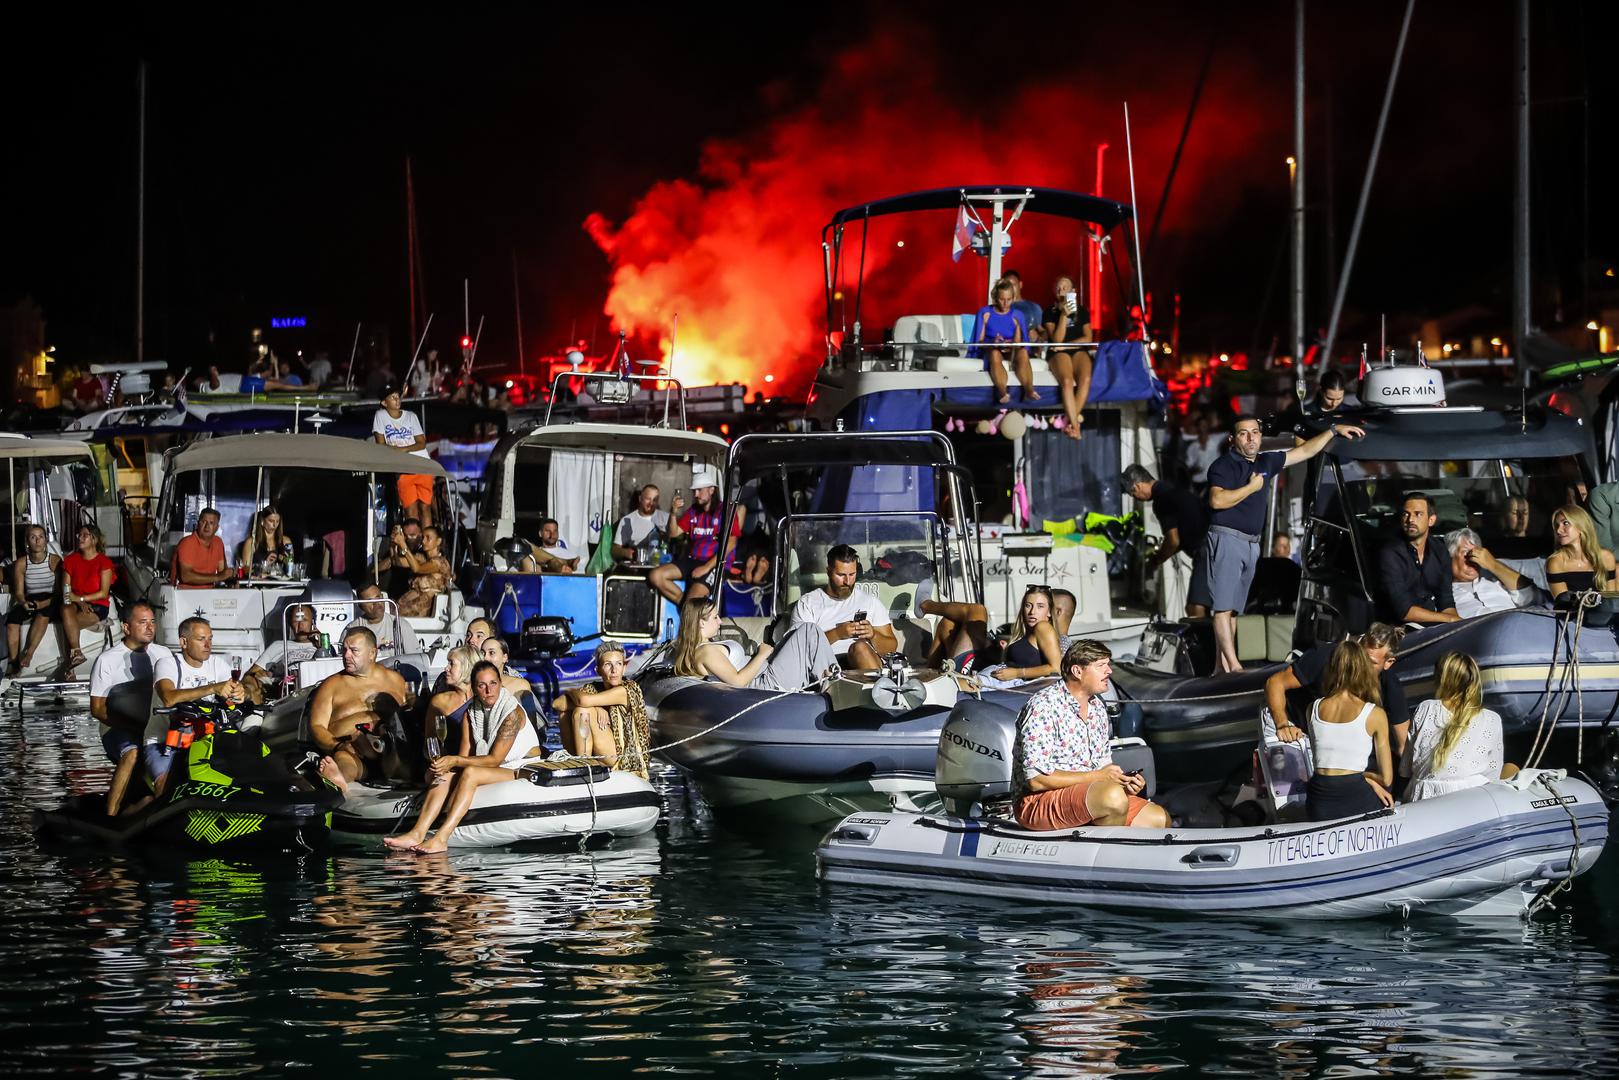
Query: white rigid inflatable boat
[544, 803]
[1488, 850]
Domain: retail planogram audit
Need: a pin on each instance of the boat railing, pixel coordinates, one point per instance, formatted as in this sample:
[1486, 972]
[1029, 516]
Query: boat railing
[605, 386]
[925, 355]
[304, 673]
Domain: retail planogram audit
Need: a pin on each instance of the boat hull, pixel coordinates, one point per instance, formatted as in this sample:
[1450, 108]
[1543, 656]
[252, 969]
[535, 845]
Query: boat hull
[1488, 850]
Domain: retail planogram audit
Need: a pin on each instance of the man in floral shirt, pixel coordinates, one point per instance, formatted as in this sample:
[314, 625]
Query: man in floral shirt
[1065, 775]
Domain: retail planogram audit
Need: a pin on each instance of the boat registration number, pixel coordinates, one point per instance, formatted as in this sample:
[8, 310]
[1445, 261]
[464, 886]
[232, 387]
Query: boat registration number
[1328, 843]
[1024, 849]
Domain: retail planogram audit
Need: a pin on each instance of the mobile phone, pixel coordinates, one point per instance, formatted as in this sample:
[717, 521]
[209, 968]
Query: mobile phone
[1071, 301]
[859, 616]
[1133, 772]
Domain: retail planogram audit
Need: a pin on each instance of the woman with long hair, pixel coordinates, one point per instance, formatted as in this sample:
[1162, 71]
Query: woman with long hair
[1455, 741]
[1580, 563]
[1037, 652]
[33, 597]
[430, 572]
[799, 657]
[267, 546]
[86, 592]
[1348, 727]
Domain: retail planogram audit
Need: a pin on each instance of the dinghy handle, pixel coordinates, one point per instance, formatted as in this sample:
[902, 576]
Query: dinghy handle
[1554, 871]
[1223, 855]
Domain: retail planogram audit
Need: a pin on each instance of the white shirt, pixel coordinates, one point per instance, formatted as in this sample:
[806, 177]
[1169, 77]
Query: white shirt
[1199, 458]
[320, 371]
[124, 677]
[278, 654]
[634, 528]
[1474, 761]
[407, 645]
[819, 609]
[1481, 596]
[401, 430]
[179, 671]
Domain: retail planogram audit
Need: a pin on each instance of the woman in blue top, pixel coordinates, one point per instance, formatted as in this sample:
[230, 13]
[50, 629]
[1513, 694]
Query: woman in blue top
[1001, 326]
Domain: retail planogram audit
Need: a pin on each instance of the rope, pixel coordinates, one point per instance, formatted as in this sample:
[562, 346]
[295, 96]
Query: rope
[825, 680]
[1571, 673]
[1544, 900]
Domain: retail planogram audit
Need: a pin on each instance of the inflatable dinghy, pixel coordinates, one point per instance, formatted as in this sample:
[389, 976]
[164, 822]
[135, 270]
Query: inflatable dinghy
[1488, 850]
[228, 794]
[544, 803]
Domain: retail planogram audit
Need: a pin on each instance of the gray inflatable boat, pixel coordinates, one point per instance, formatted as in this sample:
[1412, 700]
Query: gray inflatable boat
[1489, 850]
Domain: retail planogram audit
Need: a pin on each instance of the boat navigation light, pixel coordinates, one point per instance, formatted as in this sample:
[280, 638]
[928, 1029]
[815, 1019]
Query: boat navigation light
[1592, 325]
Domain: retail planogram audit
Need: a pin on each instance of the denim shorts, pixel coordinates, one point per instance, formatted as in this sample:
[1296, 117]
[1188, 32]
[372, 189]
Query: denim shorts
[156, 761]
[118, 742]
[1229, 561]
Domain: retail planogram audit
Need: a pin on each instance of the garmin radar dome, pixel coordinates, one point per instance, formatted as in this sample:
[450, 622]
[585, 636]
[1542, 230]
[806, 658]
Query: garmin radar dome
[1403, 387]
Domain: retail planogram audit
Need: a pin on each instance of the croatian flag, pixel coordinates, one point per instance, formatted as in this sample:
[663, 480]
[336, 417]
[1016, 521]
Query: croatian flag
[965, 228]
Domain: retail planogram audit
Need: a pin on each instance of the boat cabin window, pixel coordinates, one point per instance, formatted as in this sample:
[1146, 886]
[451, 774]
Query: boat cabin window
[56, 493]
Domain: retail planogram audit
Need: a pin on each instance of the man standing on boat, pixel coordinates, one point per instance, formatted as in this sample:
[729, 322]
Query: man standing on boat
[1185, 522]
[121, 695]
[1064, 770]
[856, 622]
[393, 426]
[1237, 502]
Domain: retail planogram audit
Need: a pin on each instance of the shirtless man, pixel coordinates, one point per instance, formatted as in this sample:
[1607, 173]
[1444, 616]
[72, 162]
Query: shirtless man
[497, 652]
[344, 701]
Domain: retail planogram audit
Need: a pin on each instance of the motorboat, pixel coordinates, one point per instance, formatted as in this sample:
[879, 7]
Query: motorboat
[586, 476]
[53, 483]
[1053, 512]
[228, 795]
[809, 753]
[334, 495]
[1545, 668]
[1489, 850]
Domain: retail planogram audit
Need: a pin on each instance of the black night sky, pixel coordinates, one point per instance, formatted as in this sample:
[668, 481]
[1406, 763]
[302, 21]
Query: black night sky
[276, 154]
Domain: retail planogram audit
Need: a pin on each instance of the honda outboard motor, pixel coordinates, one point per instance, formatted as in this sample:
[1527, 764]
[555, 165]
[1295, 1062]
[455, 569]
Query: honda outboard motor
[975, 755]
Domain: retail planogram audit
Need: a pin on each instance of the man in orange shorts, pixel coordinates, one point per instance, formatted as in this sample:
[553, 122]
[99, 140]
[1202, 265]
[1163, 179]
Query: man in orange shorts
[393, 426]
[1065, 774]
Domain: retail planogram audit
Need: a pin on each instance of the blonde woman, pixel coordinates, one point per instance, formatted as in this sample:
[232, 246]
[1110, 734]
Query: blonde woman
[1455, 741]
[800, 656]
[1348, 727]
[1580, 564]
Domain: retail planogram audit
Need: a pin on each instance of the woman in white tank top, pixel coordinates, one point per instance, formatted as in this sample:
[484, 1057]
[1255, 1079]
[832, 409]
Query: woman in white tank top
[33, 598]
[1348, 729]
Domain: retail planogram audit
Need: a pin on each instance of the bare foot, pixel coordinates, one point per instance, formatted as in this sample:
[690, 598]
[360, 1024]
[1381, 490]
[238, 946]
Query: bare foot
[1005, 398]
[402, 843]
[1071, 431]
[435, 846]
[1031, 394]
[333, 775]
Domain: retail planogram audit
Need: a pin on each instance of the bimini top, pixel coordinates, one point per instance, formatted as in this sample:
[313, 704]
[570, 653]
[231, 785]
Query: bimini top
[1068, 204]
[300, 452]
[753, 454]
[1467, 434]
[26, 446]
[621, 439]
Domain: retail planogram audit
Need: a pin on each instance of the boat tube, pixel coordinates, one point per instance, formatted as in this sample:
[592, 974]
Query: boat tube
[1488, 850]
[548, 801]
[229, 794]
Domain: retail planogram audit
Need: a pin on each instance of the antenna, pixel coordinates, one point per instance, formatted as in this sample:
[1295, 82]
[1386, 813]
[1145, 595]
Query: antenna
[1135, 223]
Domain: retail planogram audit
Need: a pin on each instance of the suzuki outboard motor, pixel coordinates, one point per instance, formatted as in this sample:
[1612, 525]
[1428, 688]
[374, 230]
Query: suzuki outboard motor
[975, 755]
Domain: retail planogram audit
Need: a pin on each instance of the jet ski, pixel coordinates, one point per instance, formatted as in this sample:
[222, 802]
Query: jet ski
[1490, 850]
[228, 794]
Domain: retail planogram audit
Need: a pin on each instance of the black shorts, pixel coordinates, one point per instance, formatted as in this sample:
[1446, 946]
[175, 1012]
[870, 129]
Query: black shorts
[688, 566]
[17, 615]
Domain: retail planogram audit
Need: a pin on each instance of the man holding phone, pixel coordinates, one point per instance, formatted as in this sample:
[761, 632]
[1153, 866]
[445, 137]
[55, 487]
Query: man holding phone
[855, 622]
[1063, 767]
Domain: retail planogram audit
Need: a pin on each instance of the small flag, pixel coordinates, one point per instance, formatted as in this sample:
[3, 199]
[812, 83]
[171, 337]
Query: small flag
[965, 228]
[1362, 360]
[1422, 357]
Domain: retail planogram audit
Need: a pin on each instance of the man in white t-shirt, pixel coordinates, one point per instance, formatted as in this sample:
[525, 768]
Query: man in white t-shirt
[376, 618]
[392, 426]
[121, 695]
[855, 621]
[1481, 583]
[640, 529]
[191, 674]
[302, 644]
[551, 555]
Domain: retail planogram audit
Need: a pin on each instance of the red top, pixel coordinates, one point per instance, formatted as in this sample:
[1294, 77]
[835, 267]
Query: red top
[203, 558]
[84, 575]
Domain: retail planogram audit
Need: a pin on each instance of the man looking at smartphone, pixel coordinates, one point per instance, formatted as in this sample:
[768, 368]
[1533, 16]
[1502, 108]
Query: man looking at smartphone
[855, 622]
[1063, 767]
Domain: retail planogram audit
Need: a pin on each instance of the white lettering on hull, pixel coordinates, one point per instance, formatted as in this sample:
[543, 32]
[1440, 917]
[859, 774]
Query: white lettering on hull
[1330, 843]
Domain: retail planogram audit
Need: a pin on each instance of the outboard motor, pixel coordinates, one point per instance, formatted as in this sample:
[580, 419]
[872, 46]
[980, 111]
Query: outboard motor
[975, 755]
[546, 637]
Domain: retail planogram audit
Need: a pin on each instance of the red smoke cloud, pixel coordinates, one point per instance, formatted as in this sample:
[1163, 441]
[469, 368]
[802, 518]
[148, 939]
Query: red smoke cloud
[735, 251]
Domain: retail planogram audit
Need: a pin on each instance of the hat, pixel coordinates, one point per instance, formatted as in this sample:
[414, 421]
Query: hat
[704, 476]
[388, 390]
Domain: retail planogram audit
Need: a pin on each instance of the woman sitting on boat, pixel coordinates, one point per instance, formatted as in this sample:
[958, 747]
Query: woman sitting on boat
[800, 656]
[1347, 727]
[431, 575]
[451, 695]
[268, 550]
[1036, 654]
[33, 598]
[1580, 563]
[86, 591]
[607, 720]
[1455, 741]
[496, 738]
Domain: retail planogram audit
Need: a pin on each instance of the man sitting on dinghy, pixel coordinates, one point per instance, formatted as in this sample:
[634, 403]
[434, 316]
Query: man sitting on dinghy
[364, 692]
[1065, 775]
[855, 622]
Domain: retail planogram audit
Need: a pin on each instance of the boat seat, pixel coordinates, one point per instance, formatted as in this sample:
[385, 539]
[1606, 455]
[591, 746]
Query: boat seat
[1264, 638]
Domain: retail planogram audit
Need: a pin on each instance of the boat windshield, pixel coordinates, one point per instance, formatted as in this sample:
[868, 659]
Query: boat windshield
[55, 492]
[324, 512]
[896, 550]
[1509, 503]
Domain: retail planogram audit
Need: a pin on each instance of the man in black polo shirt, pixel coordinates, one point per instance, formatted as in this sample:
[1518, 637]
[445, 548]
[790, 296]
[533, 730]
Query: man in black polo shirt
[1413, 575]
[1237, 500]
[1289, 692]
[1185, 521]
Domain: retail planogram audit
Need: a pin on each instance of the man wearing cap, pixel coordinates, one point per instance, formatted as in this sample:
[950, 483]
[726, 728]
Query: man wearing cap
[393, 426]
[702, 523]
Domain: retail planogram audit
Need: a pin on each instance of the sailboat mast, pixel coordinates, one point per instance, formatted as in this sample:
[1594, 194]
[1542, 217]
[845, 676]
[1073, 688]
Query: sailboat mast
[1297, 306]
[1520, 203]
[140, 221]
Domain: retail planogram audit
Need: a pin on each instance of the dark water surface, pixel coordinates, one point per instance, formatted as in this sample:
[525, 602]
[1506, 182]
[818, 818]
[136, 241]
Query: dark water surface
[701, 949]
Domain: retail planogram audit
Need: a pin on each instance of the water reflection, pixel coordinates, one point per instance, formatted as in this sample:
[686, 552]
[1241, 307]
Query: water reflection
[702, 948]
